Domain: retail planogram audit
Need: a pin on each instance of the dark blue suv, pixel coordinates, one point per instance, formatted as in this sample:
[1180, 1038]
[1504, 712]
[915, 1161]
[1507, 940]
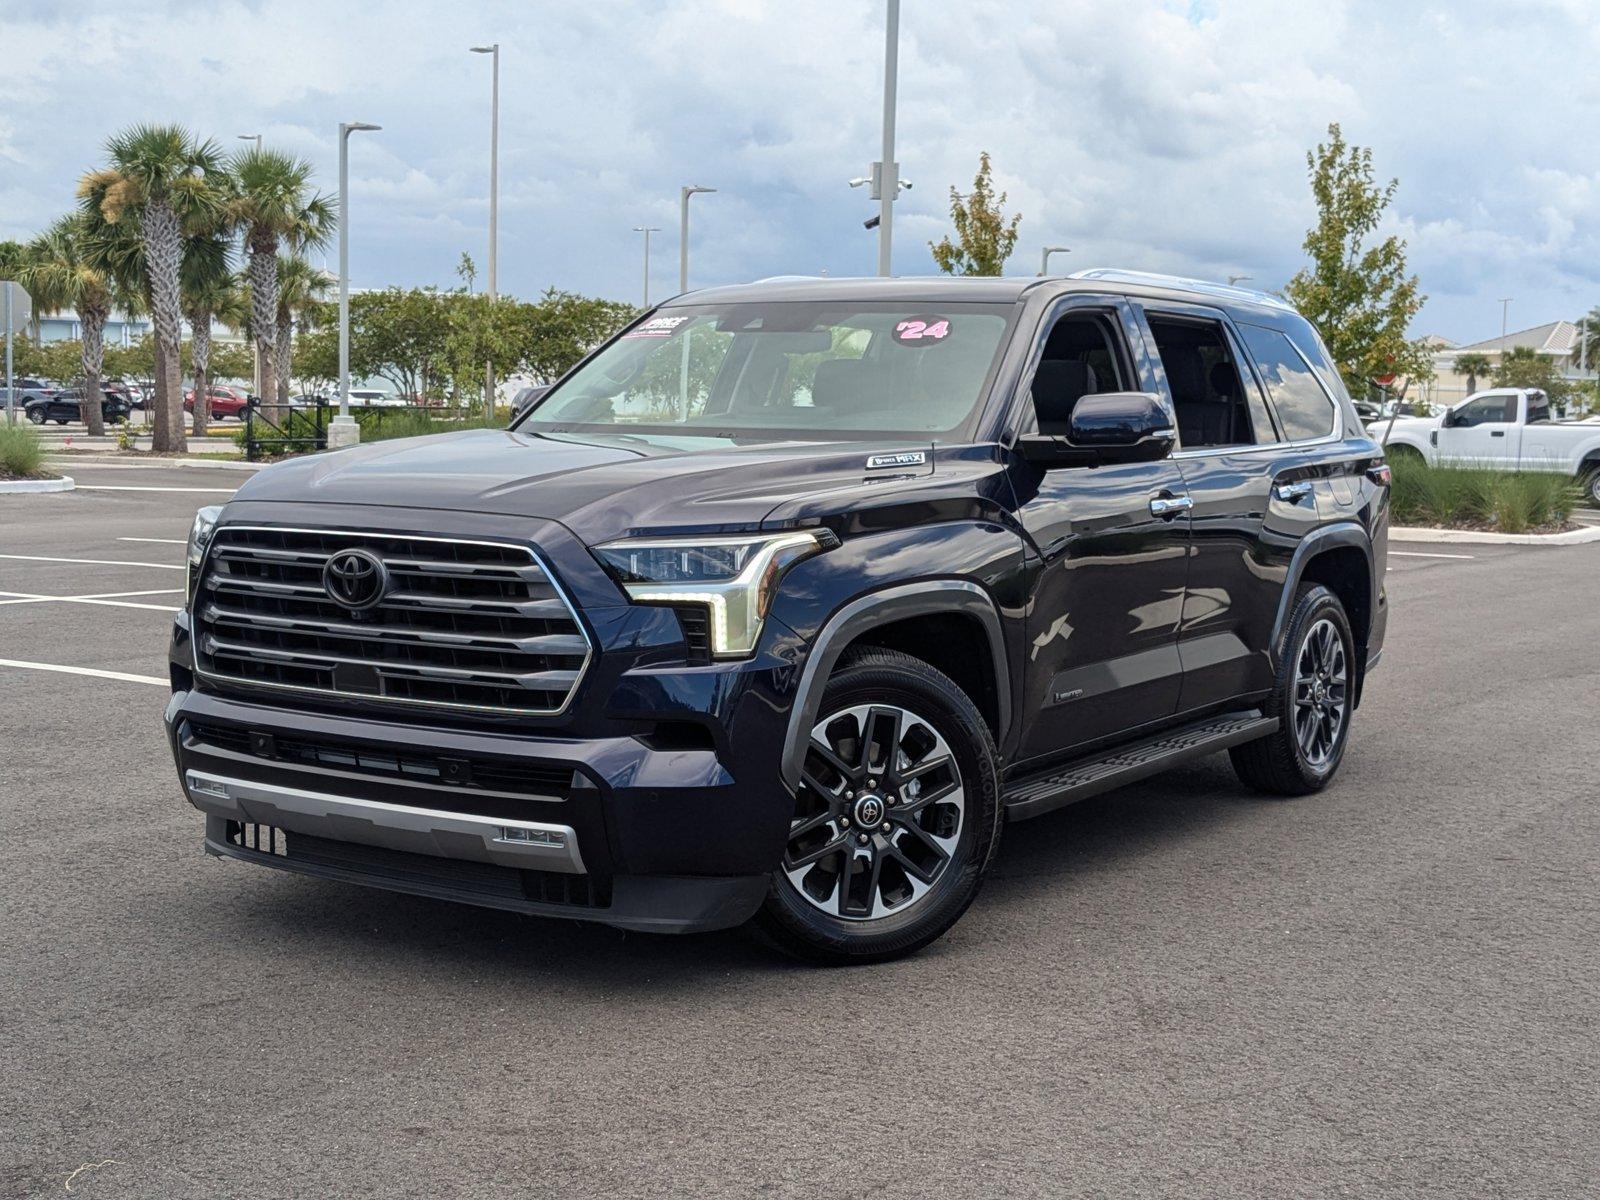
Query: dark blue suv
[785, 600]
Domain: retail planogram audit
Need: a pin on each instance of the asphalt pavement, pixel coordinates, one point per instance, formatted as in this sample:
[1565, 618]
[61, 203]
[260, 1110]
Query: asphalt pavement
[1179, 989]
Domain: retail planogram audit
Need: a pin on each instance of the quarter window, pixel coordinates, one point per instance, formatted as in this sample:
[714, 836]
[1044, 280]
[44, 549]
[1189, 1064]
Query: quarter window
[1304, 407]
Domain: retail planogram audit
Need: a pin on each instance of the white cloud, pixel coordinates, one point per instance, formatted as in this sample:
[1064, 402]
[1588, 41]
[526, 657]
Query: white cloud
[1164, 136]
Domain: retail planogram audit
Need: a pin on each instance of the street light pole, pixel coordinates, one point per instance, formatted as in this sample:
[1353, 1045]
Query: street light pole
[889, 169]
[1044, 258]
[344, 431]
[683, 232]
[647, 230]
[494, 198]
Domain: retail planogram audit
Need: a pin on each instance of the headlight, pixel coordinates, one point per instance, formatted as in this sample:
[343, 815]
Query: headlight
[199, 538]
[735, 577]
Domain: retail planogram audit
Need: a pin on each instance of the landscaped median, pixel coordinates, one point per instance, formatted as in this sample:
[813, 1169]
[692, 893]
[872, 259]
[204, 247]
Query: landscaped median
[1464, 503]
[22, 466]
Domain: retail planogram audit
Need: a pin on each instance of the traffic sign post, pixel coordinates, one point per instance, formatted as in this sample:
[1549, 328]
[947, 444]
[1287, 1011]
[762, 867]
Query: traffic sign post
[15, 308]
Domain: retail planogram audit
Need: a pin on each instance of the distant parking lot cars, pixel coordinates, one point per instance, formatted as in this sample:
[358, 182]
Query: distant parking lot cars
[68, 406]
[225, 401]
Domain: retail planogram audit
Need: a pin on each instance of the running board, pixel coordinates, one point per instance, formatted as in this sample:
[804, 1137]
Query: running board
[1035, 795]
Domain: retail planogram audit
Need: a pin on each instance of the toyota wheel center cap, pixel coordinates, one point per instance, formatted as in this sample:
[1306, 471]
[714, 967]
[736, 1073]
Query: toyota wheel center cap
[869, 811]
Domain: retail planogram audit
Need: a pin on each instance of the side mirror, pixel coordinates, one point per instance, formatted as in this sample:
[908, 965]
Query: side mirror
[1111, 427]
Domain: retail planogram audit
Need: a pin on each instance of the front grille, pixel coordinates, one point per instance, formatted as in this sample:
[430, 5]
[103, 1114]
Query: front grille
[463, 625]
[546, 781]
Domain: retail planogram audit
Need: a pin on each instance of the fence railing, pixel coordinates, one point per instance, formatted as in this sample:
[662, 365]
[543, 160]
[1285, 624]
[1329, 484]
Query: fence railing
[296, 431]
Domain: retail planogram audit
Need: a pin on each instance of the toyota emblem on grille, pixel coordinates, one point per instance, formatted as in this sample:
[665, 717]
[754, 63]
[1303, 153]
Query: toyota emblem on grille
[355, 579]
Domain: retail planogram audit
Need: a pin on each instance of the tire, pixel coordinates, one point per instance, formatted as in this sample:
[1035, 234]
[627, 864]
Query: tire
[1591, 487]
[61, 420]
[927, 848]
[37, 416]
[1401, 452]
[1313, 698]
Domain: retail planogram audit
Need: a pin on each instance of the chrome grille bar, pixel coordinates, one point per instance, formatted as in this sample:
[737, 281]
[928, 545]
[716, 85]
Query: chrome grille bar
[469, 625]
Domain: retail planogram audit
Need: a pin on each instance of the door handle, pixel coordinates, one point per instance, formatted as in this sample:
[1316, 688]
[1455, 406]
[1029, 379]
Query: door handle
[1170, 506]
[1497, 433]
[1291, 493]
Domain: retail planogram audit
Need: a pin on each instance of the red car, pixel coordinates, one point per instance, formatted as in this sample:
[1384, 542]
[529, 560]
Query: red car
[225, 401]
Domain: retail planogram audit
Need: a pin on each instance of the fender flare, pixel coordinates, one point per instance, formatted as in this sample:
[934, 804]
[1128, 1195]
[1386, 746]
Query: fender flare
[1328, 537]
[895, 603]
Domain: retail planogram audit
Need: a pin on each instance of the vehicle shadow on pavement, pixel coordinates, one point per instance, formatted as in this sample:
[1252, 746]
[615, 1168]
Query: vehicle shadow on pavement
[1038, 858]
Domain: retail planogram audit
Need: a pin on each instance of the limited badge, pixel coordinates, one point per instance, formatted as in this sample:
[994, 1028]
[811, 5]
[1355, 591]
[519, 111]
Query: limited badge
[922, 331]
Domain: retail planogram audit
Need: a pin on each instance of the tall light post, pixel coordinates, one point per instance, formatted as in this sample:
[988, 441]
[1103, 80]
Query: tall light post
[1505, 308]
[888, 168]
[647, 230]
[1044, 257]
[494, 197]
[683, 232]
[343, 431]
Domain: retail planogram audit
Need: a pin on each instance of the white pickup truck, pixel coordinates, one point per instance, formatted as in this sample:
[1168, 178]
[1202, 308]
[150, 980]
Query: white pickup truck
[1503, 427]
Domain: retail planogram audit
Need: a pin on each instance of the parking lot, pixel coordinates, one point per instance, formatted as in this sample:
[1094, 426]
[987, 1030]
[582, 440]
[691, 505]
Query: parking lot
[1389, 989]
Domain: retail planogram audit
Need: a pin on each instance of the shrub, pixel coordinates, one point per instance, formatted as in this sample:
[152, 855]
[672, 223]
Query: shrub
[1461, 494]
[21, 452]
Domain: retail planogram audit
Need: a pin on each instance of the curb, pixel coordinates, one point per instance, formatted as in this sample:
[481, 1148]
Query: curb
[1570, 537]
[218, 464]
[64, 484]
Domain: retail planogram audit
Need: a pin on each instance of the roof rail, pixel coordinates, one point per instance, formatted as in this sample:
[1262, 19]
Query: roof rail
[1150, 279]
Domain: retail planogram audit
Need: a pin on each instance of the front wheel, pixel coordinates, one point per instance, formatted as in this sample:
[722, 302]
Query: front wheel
[896, 819]
[1591, 487]
[1313, 700]
[37, 416]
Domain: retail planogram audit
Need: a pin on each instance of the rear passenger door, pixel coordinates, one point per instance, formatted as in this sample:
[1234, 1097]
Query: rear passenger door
[1108, 547]
[1256, 494]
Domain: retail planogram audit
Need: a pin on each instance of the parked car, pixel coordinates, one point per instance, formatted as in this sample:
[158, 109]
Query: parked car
[226, 401]
[67, 405]
[1511, 428]
[23, 395]
[374, 398]
[311, 400]
[904, 560]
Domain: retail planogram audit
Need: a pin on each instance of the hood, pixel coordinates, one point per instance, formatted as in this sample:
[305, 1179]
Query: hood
[600, 487]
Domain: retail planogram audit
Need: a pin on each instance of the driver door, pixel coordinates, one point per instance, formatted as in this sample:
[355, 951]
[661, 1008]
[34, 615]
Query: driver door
[1482, 432]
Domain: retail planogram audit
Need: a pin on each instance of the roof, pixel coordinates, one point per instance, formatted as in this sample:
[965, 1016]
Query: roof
[1005, 289]
[1556, 337]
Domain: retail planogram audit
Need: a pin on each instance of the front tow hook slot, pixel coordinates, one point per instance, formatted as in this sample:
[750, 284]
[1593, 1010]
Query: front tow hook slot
[201, 786]
[532, 837]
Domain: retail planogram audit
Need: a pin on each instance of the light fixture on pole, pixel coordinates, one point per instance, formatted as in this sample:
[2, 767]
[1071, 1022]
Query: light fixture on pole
[343, 431]
[1235, 280]
[647, 230]
[1044, 257]
[683, 232]
[251, 137]
[494, 197]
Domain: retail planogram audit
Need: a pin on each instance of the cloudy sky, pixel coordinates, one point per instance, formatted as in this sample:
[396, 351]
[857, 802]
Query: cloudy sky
[1161, 136]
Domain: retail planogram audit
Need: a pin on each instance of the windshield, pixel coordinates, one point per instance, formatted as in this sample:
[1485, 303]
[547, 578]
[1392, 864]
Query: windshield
[812, 369]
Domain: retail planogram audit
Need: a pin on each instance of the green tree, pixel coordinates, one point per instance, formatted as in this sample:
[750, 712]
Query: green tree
[484, 330]
[274, 206]
[1356, 291]
[210, 291]
[467, 271]
[66, 267]
[399, 335]
[563, 327]
[1474, 367]
[316, 358]
[984, 237]
[1525, 367]
[301, 287]
[1588, 332]
[160, 180]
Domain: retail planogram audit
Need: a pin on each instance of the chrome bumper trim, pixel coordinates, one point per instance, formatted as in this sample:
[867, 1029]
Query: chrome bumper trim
[527, 844]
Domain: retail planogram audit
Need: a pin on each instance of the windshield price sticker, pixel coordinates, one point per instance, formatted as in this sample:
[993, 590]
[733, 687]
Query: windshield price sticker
[657, 327]
[922, 331]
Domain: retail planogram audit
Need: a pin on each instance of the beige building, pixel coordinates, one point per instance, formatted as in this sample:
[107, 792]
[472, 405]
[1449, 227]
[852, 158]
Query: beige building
[1558, 340]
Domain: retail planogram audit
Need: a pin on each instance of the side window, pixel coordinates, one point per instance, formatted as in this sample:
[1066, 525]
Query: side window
[1304, 407]
[1489, 410]
[1208, 393]
[1538, 408]
[1083, 355]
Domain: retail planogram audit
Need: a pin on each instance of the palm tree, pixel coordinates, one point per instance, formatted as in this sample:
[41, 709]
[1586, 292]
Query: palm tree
[165, 180]
[273, 203]
[65, 267]
[1472, 366]
[300, 287]
[210, 290]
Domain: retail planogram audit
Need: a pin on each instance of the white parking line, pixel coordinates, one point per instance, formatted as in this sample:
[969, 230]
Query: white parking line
[162, 541]
[1414, 554]
[104, 600]
[95, 562]
[90, 671]
[112, 487]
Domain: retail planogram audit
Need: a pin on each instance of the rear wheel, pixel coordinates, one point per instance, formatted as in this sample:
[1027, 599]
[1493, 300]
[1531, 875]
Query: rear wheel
[1591, 487]
[1313, 701]
[896, 819]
